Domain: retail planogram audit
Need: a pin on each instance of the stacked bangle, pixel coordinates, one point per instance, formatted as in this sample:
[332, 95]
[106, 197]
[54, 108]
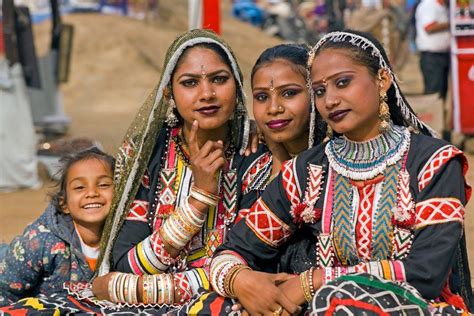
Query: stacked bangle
[230, 278]
[205, 197]
[222, 272]
[306, 281]
[122, 288]
[182, 225]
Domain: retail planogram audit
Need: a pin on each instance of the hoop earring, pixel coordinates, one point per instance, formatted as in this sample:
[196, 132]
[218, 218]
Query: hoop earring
[384, 113]
[171, 119]
[329, 131]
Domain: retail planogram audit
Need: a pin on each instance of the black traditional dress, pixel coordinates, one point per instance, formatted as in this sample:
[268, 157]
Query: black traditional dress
[391, 207]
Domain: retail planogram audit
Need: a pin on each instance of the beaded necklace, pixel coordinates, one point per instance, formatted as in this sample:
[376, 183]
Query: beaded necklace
[366, 160]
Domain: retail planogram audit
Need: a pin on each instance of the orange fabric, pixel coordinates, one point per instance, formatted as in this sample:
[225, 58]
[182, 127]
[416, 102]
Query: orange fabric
[92, 263]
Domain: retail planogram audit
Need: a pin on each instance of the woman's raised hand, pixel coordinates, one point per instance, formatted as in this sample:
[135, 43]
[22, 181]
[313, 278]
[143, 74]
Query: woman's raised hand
[258, 293]
[206, 161]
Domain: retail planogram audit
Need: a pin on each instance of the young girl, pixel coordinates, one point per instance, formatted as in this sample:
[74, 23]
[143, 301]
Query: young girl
[62, 244]
[382, 198]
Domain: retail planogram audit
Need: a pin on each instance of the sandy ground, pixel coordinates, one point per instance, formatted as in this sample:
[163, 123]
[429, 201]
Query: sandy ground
[115, 64]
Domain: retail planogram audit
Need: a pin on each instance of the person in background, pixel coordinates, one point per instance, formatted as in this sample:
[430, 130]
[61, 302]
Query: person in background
[433, 42]
[63, 243]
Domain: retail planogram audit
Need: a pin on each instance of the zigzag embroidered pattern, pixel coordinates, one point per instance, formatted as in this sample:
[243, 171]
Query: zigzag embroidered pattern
[382, 224]
[167, 179]
[343, 233]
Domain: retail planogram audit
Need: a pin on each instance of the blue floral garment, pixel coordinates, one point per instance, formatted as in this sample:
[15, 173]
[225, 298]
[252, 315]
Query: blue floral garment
[42, 259]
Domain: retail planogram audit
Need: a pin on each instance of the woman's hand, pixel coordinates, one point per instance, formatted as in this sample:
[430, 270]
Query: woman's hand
[100, 286]
[206, 161]
[258, 293]
[294, 291]
[254, 139]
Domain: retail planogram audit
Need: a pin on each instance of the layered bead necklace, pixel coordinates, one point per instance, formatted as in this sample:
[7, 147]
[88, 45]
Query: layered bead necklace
[365, 160]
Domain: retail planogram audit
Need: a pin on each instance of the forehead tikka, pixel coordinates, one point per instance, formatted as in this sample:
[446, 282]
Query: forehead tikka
[203, 72]
[272, 87]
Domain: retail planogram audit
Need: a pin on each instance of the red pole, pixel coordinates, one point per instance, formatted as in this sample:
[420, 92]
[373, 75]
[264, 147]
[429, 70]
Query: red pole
[211, 15]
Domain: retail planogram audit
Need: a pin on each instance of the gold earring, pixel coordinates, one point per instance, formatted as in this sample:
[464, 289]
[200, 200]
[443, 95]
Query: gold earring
[171, 118]
[384, 113]
[329, 131]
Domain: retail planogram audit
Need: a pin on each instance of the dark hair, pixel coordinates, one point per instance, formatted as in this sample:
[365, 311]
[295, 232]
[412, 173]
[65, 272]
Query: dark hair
[364, 56]
[59, 198]
[295, 54]
[212, 46]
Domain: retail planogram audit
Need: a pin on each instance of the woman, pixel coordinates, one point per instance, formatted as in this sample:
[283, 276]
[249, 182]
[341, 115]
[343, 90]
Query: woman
[176, 208]
[177, 183]
[381, 197]
[282, 110]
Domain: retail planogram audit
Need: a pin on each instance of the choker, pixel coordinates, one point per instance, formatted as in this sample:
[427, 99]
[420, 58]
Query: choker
[365, 160]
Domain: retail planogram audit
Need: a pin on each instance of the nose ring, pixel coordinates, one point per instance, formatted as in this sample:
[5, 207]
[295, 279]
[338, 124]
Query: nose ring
[214, 94]
[280, 108]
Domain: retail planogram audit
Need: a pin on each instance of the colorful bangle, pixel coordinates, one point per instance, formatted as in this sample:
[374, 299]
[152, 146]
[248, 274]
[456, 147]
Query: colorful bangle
[205, 197]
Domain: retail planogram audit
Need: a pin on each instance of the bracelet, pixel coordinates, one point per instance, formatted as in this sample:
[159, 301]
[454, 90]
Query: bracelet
[312, 290]
[205, 197]
[233, 274]
[112, 288]
[132, 289]
[305, 287]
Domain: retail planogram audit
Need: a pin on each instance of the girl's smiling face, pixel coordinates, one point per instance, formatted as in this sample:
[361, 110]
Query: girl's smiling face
[89, 189]
[347, 94]
[281, 102]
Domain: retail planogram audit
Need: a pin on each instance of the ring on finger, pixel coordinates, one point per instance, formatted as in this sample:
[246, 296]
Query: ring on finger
[278, 311]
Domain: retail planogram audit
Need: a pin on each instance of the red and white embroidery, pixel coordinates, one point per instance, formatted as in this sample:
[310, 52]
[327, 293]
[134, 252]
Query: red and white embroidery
[364, 221]
[266, 225]
[146, 180]
[312, 193]
[438, 210]
[183, 287]
[138, 211]
[290, 183]
[436, 161]
[404, 215]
